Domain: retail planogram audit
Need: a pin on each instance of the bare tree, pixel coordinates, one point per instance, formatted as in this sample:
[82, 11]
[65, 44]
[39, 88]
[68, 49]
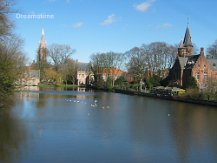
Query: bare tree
[69, 71]
[171, 56]
[106, 63]
[212, 51]
[96, 66]
[59, 54]
[5, 23]
[160, 55]
[137, 65]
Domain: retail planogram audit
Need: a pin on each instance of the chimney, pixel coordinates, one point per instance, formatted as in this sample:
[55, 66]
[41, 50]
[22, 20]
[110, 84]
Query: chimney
[201, 51]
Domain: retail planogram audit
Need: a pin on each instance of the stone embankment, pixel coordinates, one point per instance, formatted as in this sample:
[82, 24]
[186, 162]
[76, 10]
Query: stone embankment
[172, 98]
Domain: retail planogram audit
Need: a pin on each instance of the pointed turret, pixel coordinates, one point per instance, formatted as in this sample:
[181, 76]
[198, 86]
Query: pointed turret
[181, 44]
[186, 47]
[187, 40]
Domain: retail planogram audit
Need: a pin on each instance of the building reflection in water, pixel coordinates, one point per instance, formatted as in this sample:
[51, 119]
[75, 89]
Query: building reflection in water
[194, 127]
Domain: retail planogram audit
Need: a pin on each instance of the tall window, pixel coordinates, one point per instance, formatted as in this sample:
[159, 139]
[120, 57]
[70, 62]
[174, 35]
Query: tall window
[205, 76]
[198, 75]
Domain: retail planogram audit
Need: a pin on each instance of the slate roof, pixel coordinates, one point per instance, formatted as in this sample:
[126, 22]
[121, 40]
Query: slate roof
[191, 61]
[188, 62]
[83, 66]
[187, 40]
[182, 61]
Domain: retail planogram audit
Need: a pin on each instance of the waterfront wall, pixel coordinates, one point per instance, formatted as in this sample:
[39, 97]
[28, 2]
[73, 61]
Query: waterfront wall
[172, 98]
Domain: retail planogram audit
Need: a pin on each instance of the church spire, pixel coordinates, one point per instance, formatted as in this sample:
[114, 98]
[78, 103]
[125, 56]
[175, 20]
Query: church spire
[42, 43]
[187, 39]
[42, 52]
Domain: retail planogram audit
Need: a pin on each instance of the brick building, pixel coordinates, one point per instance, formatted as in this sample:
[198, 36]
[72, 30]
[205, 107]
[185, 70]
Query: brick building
[188, 65]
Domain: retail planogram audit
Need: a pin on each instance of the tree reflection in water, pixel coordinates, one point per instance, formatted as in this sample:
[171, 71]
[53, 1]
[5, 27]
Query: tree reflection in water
[12, 134]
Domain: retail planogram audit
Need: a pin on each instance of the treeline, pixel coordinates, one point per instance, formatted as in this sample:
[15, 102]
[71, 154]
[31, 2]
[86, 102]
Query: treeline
[11, 55]
[145, 64]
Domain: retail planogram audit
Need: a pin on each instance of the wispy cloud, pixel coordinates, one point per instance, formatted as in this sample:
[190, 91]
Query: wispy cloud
[68, 1]
[164, 26]
[78, 25]
[144, 6]
[109, 20]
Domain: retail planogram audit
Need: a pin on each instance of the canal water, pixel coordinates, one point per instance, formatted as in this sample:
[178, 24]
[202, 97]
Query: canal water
[74, 126]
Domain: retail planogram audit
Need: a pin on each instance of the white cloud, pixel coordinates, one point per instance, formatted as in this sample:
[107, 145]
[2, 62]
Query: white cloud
[165, 26]
[144, 6]
[109, 20]
[78, 25]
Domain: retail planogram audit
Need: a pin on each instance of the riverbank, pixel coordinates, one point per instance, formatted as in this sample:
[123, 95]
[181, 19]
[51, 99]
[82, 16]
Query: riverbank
[171, 98]
[67, 86]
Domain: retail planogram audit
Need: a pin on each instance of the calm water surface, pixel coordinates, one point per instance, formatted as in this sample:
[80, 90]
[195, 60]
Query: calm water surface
[70, 126]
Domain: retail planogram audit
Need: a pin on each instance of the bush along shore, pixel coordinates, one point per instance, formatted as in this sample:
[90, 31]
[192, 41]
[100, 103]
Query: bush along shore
[186, 98]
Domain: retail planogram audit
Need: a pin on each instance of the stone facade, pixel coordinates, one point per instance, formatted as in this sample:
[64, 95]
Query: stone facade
[84, 75]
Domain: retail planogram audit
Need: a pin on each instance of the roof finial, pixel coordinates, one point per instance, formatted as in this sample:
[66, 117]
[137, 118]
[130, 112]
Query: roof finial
[187, 21]
[42, 31]
[187, 38]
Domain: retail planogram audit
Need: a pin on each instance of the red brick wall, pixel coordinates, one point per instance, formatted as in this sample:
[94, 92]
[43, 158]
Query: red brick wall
[202, 66]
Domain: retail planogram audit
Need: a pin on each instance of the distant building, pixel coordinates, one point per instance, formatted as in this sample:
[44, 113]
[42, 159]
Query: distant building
[111, 72]
[83, 74]
[188, 65]
[29, 77]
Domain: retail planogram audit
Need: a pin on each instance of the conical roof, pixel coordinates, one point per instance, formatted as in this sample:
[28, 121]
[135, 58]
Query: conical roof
[181, 44]
[187, 40]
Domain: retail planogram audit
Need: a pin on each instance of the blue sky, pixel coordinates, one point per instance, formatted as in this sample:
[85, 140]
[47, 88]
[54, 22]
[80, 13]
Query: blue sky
[91, 26]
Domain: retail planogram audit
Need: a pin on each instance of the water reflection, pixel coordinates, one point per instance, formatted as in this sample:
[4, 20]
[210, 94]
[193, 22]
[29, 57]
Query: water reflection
[194, 133]
[12, 134]
[77, 126]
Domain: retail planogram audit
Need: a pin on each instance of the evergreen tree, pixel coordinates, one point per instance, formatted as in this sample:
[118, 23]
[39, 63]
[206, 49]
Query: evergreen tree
[191, 83]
